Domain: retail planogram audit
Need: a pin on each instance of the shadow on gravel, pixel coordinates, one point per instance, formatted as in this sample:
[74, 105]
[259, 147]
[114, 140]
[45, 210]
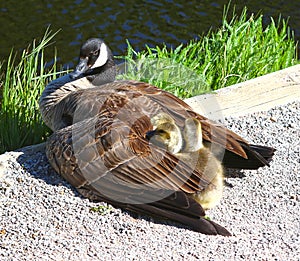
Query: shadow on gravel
[35, 162]
[234, 173]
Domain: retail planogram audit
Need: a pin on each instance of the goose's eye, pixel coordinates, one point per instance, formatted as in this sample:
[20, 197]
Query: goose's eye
[95, 53]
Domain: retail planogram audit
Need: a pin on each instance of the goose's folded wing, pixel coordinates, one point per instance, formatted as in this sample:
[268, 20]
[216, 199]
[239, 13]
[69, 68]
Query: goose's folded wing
[151, 98]
[106, 160]
[103, 147]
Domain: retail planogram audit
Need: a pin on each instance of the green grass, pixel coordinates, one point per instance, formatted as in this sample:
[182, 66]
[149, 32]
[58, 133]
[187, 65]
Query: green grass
[102, 210]
[21, 85]
[165, 69]
[241, 49]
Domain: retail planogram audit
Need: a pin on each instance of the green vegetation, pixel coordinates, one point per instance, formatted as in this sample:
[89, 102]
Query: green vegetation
[239, 50]
[166, 69]
[21, 86]
[102, 210]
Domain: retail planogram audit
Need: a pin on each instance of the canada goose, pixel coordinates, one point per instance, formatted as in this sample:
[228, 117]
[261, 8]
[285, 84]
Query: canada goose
[99, 142]
[190, 149]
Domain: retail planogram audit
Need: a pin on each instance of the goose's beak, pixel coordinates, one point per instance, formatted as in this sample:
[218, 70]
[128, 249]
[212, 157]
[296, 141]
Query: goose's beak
[81, 68]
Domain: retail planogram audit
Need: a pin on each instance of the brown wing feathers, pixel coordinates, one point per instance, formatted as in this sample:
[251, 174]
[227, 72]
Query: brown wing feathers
[129, 156]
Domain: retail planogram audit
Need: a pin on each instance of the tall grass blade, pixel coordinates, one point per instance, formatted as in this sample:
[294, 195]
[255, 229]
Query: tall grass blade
[23, 83]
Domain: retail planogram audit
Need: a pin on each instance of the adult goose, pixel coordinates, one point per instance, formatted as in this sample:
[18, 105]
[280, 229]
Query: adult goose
[100, 142]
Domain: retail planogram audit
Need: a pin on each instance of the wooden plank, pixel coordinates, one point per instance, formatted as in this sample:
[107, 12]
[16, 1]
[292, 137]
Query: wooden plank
[259, 94]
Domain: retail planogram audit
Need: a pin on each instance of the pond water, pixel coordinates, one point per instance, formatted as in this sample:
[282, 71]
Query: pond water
[141, 22]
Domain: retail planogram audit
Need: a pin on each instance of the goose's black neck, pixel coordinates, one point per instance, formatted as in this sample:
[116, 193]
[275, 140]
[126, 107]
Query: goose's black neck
[104, 74]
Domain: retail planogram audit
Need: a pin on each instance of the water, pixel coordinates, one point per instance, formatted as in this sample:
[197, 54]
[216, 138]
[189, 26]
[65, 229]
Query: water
[141, 22]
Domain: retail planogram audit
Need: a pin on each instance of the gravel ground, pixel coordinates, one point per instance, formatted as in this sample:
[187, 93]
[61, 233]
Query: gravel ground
[44, 218]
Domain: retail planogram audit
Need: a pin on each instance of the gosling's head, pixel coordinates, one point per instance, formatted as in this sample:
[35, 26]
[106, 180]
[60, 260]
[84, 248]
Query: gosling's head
[192, 135]
[166, 133]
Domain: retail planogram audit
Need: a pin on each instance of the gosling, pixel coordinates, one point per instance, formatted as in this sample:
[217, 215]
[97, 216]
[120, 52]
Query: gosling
[187, 145]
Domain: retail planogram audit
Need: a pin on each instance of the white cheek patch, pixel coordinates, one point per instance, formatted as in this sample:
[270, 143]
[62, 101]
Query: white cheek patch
[102, 59]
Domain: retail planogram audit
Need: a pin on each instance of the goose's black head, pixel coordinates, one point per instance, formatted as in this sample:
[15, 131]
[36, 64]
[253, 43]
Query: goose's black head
[95, 62]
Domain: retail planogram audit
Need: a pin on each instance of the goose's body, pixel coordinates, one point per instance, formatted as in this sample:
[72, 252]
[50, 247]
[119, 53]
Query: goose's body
[99, 144]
